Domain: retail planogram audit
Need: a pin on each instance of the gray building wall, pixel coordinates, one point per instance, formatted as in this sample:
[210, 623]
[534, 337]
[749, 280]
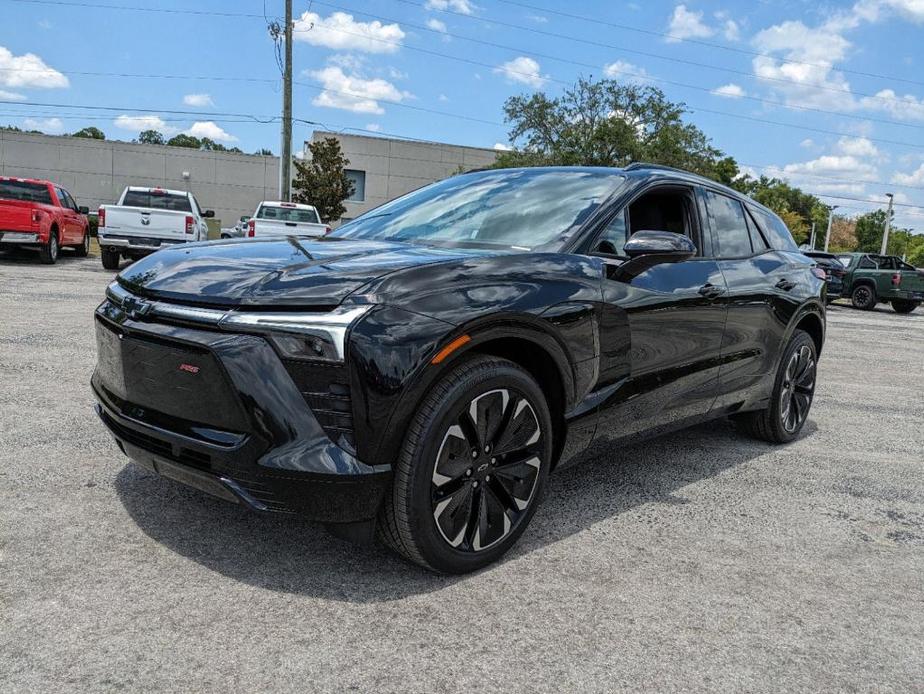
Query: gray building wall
[395, 167]
[96, 171]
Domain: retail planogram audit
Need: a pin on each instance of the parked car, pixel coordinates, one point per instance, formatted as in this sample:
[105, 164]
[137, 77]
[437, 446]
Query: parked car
[873, 279]
[835, 271]
[285, 219]
[238, 230]
[145, 220]
[421, 371]
[41, 215]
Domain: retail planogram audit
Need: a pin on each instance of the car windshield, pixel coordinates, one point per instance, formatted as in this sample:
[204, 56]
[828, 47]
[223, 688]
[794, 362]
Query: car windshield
[25, 191]
[519, 209]
[288, 214]
[845, 259]
[157, 200]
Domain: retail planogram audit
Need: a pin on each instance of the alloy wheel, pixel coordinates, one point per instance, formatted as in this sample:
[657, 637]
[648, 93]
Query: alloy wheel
[862, 296]
[486, 470]
[798, 389]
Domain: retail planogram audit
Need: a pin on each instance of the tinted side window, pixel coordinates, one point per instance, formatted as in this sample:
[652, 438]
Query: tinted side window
[868, 264]
[62, 197]
[775, 231]
[731, 229]
[613, 239]
[757, 239]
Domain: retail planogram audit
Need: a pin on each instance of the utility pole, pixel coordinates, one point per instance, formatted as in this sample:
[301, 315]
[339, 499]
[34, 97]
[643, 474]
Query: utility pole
[830, 219]
[285, 163]
[812, 237]
[888, 223]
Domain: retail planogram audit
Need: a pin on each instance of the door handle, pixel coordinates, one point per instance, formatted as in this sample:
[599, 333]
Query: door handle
[711, 291]
[785, 284]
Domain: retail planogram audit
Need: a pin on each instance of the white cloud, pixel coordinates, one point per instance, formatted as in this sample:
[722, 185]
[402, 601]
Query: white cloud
[915, 178]
[906, 107]
[807, 143]
[687, 24]
[436, 25]
[524, 70]
[460, 6]
[731, 31]
[501, 147]
[443, 98]
[343, 33]
[199, 100]
[858, 147]
[729, 91]
[210, 130]
[353, 92]
[374, 127]
[138, 123]
[28, 70]
[49, 126]
[626, 71]
[11, 96]
[538, 18]
[853, 159]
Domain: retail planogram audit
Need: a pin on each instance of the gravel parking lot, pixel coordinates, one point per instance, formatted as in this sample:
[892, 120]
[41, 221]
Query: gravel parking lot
[703, 560]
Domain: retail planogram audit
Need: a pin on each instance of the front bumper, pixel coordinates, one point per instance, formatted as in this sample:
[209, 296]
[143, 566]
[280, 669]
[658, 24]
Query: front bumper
[238, 428]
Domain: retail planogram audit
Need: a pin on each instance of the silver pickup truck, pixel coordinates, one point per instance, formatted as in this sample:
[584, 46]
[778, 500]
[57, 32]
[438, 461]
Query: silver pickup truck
[147, 219]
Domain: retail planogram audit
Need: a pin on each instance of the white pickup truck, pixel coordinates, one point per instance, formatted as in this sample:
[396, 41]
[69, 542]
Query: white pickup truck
[147, 219]
[285, 219]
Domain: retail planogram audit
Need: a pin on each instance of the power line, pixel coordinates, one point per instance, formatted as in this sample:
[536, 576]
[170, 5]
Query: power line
[97, 107]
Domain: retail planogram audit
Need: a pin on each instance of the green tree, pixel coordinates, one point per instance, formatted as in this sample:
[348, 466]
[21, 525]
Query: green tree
[264, 152]
[606, 123]
[184, 140]
[90, 132]
[870, 227]
[151, 137]
[321, 181]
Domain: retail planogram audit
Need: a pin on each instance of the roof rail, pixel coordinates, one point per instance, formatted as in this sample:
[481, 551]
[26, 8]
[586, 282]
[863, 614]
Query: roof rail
[645, 165]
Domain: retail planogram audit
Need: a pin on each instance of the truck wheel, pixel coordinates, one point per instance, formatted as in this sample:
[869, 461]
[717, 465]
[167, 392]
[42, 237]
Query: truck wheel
[792, 395]
[863, 297]
[904, 305]
[472, 468]
[110, 259]
[49, 252]
[83, 250]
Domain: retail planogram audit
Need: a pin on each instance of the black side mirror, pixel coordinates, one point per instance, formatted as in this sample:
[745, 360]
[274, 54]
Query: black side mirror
[209, 213]
[83, 209]
[649, 248]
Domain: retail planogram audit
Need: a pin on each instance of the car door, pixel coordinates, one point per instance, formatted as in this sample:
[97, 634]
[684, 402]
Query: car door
[661, 334]
[763, 293]
[72, 229]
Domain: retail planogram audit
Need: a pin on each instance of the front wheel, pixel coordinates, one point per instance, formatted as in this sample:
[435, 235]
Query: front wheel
[904, 305]
[863, 297]
[83, 250]
[793, 391]
[472, 469]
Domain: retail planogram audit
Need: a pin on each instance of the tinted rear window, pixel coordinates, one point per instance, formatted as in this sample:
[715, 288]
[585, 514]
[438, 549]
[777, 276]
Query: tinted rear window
[729, 224]
[28, 192]
[288, 214]
[157, 201]
[775, 231]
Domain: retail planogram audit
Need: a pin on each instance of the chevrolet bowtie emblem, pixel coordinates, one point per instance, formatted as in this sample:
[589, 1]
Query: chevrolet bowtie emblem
[135, 308]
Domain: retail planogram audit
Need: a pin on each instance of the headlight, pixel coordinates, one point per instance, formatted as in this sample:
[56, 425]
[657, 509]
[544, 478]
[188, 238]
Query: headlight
[301, 335]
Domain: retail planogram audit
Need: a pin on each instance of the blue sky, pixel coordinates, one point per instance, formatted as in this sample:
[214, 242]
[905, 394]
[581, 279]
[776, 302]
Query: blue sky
[407, 67]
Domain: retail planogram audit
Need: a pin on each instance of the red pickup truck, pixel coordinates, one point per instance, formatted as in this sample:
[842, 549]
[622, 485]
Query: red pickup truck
[39, 214]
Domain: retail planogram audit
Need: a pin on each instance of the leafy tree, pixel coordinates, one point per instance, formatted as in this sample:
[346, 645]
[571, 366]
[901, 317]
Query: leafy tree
[151, 137]
[321, 181]
[605, 123]
[870, 227]
[184, 140]
[843, 235]
[91, 133]
[264, 152]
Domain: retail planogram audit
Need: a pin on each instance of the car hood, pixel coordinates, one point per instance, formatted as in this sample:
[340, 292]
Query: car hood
[280, 272]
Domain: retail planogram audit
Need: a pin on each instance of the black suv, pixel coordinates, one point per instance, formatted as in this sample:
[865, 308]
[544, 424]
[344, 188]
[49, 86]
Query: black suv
[418, 373]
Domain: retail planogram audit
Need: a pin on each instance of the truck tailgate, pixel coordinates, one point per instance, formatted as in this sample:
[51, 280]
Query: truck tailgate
[16, 215]
[148, 223]
[913, 281]
[276, 227]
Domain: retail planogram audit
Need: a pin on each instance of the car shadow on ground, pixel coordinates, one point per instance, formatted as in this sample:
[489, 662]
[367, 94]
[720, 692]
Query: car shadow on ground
[294, 556]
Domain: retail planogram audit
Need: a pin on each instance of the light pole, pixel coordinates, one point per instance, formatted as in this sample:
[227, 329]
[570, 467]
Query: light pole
[888, 223]
[830, 220]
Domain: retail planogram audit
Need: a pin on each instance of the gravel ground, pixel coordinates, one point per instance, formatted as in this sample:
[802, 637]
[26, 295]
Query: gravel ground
[703, 560]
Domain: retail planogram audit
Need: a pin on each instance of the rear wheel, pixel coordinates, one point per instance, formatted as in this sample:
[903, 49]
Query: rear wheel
[49, 252]
[793, 392]
[472, 469]
[110, 259]
[904, 305]
[863, 297]
[83, 250]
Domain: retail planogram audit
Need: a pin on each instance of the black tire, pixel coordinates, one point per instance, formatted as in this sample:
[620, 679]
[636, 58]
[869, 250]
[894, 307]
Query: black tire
[83, 250]
[863, 297]
[779, 423]
[48, 253]
[110, 259]
[904, 305]
[425, 508]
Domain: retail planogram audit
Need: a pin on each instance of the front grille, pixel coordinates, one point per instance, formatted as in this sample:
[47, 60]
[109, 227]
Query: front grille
[326, 390]
[159, 447]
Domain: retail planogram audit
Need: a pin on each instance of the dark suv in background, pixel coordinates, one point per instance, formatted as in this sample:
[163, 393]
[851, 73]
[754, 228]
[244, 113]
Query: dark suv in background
[420, 372]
